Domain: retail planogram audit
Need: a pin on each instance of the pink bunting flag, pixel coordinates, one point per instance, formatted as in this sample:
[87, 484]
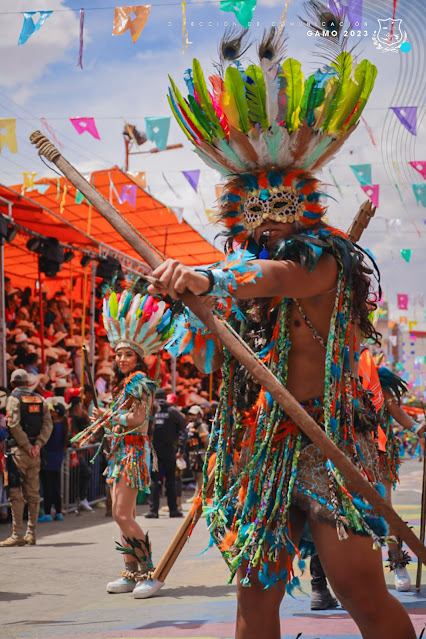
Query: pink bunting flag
[420, 167]
[85, 124]
[192, 177]
[408, 117]
[128, 194]
[372, 192]
[402, 302]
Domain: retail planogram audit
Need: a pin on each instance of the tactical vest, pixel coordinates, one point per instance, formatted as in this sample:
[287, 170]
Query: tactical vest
[31, 411]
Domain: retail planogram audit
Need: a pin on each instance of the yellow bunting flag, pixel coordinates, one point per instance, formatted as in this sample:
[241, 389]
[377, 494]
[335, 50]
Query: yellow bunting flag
[211, 215]
[411, 325]
[130, 18]
[185, 39]
[28, 182]
[64, 194]
[8, 134]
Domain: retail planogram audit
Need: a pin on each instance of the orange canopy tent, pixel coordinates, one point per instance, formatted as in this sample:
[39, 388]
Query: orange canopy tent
[56, 213]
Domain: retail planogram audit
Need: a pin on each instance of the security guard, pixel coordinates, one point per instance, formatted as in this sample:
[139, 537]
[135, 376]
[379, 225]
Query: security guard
[30, 425]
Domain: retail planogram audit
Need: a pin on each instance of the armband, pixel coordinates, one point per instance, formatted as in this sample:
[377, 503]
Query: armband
[121, 419]
[208, 273]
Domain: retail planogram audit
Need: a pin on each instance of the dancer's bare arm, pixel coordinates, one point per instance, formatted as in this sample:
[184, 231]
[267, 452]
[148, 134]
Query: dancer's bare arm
[279, 279]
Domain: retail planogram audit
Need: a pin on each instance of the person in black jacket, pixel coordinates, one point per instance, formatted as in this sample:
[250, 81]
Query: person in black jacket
[168, 424]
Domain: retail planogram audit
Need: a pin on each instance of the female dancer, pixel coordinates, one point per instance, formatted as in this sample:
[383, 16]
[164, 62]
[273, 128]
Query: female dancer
[136, 326]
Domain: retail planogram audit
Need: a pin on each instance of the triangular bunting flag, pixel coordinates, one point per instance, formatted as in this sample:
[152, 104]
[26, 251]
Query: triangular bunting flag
[28, 182]
[178, 211]
[218, 189]
[372, 192]
[420, 167]
[41, 188]
[243, 10]
[408, 117]
[419, 191]
[131, 18]
[85, 124]
[406, 254]
[211, 214]
[79, 197]
[139, 177]
[28, 28]
[8, 134]
[128, 194]
[192, 177]
[402, 301]
[157, 130]
[362, 173]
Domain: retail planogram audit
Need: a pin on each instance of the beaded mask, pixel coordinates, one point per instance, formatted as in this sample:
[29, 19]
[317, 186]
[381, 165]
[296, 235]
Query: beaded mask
[281, 196]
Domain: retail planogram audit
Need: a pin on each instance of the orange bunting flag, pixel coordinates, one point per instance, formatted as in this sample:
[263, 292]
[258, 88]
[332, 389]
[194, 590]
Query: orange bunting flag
[130, 18]
[218, 188]
[8, 134]
[139, 177]
[28, 183]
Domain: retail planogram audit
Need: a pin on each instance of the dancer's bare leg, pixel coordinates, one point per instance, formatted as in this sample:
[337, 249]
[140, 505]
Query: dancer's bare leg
[124, 509]
[258, 611]
[355, 572]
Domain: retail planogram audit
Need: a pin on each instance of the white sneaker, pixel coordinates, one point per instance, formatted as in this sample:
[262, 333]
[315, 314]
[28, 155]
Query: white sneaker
[147, 588]
[83, 504]
[122, 584]
[402, 579]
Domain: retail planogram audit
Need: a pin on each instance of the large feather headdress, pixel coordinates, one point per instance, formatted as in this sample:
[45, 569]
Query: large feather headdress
[271, 121]
[139, 322]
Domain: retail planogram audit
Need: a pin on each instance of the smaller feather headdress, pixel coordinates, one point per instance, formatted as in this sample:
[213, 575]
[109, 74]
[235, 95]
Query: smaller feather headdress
[139, 322]
[269, 121]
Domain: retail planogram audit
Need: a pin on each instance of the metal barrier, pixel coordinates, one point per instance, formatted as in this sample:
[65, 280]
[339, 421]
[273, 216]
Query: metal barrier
[81, 479]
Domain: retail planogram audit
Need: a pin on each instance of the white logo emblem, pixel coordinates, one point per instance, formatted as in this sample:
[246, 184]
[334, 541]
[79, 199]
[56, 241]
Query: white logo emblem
[389, 37]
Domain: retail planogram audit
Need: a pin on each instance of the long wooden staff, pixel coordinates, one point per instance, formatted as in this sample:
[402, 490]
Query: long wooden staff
[89, 376]
[356, 482]
[423, 513]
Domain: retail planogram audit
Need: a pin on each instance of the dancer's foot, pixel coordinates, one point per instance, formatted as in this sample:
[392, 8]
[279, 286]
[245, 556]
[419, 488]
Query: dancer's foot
[402, 579]
[322, 599]
[147, 588]
[122, 584]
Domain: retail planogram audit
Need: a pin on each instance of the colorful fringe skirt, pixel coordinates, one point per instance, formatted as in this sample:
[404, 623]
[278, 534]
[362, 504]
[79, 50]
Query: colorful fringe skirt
[130, 457]
[249, 516]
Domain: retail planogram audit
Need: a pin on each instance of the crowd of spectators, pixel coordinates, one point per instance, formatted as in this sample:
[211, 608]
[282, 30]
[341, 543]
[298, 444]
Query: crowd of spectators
[59, 380]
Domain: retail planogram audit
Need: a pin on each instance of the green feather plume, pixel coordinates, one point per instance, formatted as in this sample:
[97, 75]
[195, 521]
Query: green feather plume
[113, 305]
[179, 99]
[365, 75]
[294, 91]
[343, 65]
[205, 100]
[256, 96]
[234, 100]
[313, 96]
[179, 121]
[199, 114]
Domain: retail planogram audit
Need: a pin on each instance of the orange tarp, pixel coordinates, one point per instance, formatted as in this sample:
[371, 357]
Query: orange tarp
[55, 214]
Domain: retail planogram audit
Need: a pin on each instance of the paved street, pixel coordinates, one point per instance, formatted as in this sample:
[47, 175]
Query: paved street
[56, 589]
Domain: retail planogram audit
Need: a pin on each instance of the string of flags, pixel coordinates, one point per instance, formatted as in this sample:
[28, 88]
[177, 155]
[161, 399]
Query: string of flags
[133, 19]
